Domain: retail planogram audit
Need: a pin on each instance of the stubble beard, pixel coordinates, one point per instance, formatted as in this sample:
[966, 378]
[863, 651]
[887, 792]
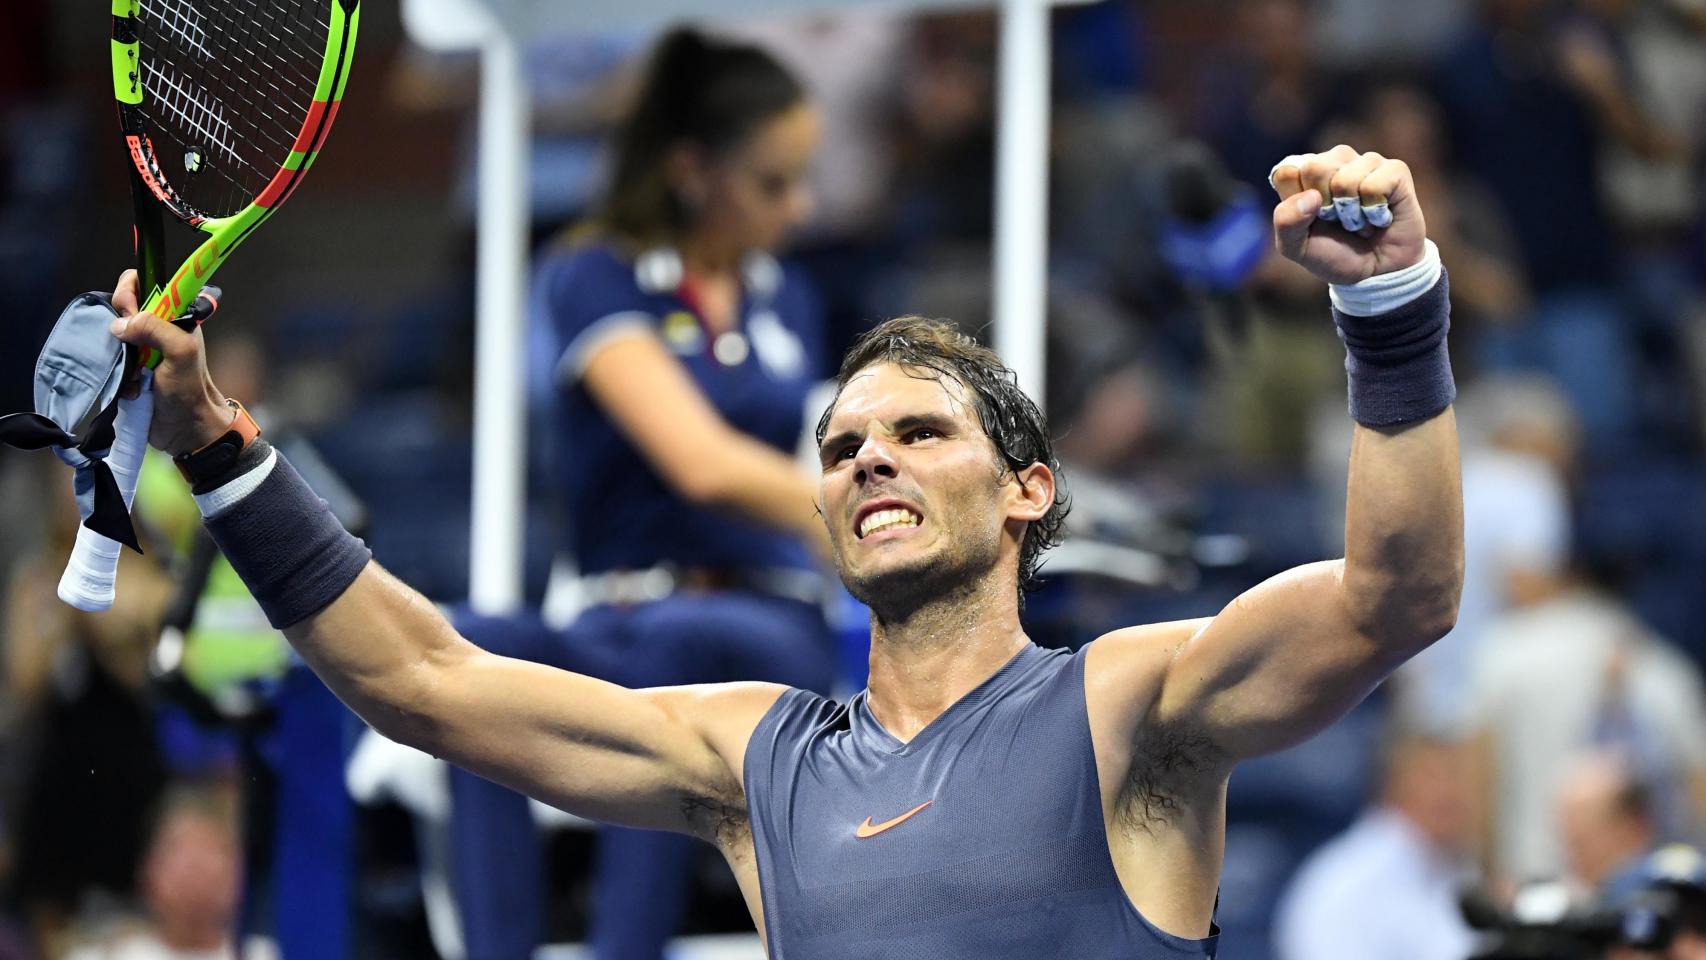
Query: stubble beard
[898, 592]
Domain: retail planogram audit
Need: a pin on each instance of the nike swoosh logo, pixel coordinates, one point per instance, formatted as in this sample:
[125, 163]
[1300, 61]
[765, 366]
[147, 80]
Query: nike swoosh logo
[867, 830]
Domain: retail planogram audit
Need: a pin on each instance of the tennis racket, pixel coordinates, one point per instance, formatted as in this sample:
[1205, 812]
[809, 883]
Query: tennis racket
[223, 105]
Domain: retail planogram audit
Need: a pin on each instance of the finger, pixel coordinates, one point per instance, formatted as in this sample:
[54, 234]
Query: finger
[1292, 220]
[1318, 170]
[1285, 177]
[148, 330]
[205, 303]
[1387, 185]
[1346, 192]
[126, 294]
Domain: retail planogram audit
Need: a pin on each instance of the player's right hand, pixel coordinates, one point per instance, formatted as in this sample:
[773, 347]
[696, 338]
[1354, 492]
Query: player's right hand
[189, 411]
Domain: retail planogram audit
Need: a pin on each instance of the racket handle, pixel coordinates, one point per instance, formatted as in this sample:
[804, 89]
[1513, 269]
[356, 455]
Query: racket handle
[92, 571]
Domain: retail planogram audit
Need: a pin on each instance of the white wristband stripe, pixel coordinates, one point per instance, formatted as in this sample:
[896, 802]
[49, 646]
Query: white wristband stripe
[1388, 291]
[222, 498]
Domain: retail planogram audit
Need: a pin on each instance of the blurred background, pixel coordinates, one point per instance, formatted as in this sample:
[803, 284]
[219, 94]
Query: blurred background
[213, 796]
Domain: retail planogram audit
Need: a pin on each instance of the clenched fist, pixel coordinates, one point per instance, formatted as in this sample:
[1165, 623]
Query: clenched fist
[1329, 203]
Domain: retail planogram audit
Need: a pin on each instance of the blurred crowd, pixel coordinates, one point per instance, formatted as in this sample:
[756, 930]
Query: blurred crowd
[1195, 386]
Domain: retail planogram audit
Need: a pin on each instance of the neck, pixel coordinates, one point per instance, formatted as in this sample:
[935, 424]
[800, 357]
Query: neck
[707, 255]
[192, 936]
[924, 660]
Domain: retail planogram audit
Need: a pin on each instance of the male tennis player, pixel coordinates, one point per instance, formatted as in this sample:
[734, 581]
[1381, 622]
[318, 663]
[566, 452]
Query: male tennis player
[984, 798]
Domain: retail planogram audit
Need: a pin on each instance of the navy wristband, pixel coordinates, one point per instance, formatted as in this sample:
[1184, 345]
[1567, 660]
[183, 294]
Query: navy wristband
[1397, 363]
[294, 556]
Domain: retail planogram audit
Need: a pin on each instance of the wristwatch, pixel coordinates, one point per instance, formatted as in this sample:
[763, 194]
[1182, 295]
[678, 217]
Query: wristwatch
[221, 455]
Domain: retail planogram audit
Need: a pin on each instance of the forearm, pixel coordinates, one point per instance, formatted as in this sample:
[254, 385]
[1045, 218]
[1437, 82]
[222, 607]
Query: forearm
[760, 484]
[1404, 530]
[382, 648]
[691, 447]
[371, 639]
[1404, 504]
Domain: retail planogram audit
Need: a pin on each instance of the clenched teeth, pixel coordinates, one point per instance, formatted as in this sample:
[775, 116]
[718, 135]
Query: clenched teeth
[883, 519]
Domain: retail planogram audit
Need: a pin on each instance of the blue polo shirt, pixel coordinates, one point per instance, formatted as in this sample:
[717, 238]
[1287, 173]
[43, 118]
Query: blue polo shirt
[619, 513]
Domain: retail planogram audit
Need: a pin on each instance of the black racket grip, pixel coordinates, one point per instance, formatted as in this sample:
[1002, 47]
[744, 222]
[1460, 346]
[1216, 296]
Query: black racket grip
[205, 303]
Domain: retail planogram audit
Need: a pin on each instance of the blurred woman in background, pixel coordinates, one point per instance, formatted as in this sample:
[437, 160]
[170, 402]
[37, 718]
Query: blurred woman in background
[681, 353]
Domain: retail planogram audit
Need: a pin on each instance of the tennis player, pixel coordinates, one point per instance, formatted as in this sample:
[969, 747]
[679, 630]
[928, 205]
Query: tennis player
[983, 797]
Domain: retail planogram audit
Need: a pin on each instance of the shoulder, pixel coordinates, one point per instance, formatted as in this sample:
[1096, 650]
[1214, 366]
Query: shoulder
[727, 714]
[1125, 668]
[588, 296]
[786, 285]
[597, 266]
[1665, 672]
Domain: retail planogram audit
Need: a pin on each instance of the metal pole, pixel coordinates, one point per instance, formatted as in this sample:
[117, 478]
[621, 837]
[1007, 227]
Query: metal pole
[495, 545]
[1021, 192]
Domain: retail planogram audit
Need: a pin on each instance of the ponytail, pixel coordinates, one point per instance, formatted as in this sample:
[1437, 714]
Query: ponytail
[708, 92]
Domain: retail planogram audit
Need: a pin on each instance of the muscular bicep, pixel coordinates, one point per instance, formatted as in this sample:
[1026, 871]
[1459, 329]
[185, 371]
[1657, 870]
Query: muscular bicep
[666, 758]
[1280, 663]
[641, 758]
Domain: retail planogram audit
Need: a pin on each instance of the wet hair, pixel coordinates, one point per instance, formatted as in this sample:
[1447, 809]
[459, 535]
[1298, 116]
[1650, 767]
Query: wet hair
[1012, 421]
[697, 89]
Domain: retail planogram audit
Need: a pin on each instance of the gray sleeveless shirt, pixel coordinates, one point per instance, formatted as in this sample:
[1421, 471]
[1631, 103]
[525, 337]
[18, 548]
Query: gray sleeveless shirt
[981, 839]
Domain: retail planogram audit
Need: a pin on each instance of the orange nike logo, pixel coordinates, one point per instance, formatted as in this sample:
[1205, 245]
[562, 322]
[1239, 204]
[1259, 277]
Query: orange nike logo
[867, 830]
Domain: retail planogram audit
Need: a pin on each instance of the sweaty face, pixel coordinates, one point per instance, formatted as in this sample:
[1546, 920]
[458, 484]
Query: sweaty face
[758, 191]
[912, 490]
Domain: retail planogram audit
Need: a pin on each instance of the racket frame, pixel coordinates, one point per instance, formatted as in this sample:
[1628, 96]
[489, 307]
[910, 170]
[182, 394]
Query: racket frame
[169, 299]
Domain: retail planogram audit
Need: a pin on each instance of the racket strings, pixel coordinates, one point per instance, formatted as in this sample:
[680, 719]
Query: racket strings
[228, 85]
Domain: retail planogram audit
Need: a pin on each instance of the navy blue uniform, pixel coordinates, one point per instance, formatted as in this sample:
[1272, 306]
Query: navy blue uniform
[980, 839]
[621, 521]
[620, 514]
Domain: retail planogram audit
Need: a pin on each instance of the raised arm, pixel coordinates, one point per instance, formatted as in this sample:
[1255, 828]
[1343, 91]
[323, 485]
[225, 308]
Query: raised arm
[1293, 654]
[665, 758]
[658, 758]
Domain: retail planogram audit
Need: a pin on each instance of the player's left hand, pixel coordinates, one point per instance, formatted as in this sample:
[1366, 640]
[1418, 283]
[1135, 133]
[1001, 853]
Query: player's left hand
[1359, 190]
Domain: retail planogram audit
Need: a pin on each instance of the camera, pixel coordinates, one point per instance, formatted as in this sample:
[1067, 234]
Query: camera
[1647, 910]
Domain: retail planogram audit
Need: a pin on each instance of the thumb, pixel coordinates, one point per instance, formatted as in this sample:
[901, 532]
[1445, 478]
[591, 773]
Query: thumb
[1292, 219]
[147, 330]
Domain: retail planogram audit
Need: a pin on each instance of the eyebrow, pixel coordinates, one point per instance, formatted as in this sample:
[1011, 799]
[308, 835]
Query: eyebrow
[912, 421]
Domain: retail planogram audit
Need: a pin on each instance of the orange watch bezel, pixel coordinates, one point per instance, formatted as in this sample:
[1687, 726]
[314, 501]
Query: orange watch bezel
[243, 425]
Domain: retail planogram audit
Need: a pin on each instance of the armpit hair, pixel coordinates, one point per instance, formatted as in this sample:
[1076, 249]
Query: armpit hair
[715, 819]
[1168, 759]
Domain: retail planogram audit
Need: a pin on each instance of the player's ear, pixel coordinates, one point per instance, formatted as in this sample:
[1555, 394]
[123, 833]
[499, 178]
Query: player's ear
[1031, 496]
[688, 171]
